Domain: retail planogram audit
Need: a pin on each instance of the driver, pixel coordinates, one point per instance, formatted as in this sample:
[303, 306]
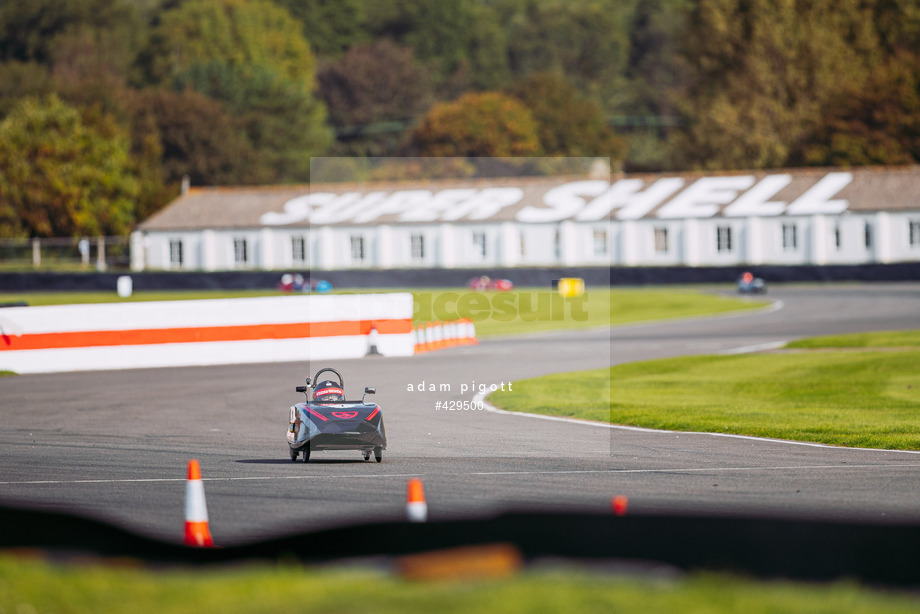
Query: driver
[328, 391]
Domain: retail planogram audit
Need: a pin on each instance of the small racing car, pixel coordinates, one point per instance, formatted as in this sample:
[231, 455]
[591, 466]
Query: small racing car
[326, 421]
[748, 284]
[296, 283]
[484, 282]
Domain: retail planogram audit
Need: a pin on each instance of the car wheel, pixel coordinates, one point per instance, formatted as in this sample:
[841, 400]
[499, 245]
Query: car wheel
[367, 456]
[378, 454]
[306, 454]
[294, 454]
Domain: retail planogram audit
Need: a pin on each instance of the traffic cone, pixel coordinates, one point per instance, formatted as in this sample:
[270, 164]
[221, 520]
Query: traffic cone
[372, 338]
[197, 532]
[416, 508]
[473, 339]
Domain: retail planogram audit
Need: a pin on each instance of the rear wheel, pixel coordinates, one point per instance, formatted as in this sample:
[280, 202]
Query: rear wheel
[367, 456]
[378, 454]
[294, 454]
[306, 454]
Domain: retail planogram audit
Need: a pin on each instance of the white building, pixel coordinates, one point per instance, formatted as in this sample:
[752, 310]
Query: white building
[785, 217]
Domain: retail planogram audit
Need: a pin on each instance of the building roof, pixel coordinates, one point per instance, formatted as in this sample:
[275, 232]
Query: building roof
[547, 199]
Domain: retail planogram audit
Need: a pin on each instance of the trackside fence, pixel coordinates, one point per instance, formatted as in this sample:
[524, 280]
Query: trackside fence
[66, 254]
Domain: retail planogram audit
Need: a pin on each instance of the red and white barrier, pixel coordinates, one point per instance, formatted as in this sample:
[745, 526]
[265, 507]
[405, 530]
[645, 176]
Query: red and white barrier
[205, 332]
[433, 336]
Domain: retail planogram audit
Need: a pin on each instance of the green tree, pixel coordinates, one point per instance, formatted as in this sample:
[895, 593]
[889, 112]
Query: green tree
[331, 26]
[238, 33]
[476, 125]
[19, 80]
[586, 40]
[30, 31]
[462, 40]
[62, 173]
[567, 123]
[284, 123]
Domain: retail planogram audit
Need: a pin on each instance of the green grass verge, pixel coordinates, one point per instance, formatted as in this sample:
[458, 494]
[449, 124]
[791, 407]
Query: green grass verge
[886, 339]
[865, 398]
[495, 313]
[28, 585]
[528, 310]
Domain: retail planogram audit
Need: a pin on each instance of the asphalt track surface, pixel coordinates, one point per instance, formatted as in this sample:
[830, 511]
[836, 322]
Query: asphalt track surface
[114, 445]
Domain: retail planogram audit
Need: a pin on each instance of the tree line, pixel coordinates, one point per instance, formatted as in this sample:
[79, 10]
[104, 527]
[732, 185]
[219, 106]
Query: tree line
[105, 105]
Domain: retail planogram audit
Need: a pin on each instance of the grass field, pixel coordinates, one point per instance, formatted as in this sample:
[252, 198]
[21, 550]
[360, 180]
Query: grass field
[33, 586]
[853, 390]
[495, 313]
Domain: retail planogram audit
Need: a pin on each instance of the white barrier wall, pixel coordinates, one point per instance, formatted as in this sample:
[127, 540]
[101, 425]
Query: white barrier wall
[205, 332]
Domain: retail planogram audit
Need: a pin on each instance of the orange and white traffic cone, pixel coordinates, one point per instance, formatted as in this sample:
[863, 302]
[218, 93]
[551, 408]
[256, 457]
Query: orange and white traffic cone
[197, 532]
[416, 508]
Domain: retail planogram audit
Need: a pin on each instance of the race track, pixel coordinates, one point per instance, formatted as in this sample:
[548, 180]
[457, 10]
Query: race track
[115, 444]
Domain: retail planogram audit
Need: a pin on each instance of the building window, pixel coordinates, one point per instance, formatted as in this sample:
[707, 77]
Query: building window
[838, 242]
[240, 252]
[417, 242]
[790, 238]
[914, 233]
[479, 244]
[600, 242]
[723, 239]
[175, 253]
[661, 240]
[523, 251]
[298, 250]
[868, 234]
[357, 248]
[557, 245]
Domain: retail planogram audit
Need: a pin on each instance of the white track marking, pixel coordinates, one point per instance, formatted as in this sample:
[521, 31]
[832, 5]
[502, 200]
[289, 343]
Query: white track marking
[480, 398]
[474, 473]
[775, 306]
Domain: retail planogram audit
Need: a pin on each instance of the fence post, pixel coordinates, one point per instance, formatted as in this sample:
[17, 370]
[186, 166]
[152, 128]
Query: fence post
[100, 254]
[36, 253]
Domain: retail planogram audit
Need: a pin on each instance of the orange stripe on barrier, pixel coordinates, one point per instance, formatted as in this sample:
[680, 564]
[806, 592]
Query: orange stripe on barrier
[204, 334]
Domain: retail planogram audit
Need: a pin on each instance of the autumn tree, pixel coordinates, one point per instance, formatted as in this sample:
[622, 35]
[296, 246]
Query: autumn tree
[196, 137]
[875, 123]
[478, 124]
[369, 86]
[62, 173]
[568, 124]
[763, 72]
